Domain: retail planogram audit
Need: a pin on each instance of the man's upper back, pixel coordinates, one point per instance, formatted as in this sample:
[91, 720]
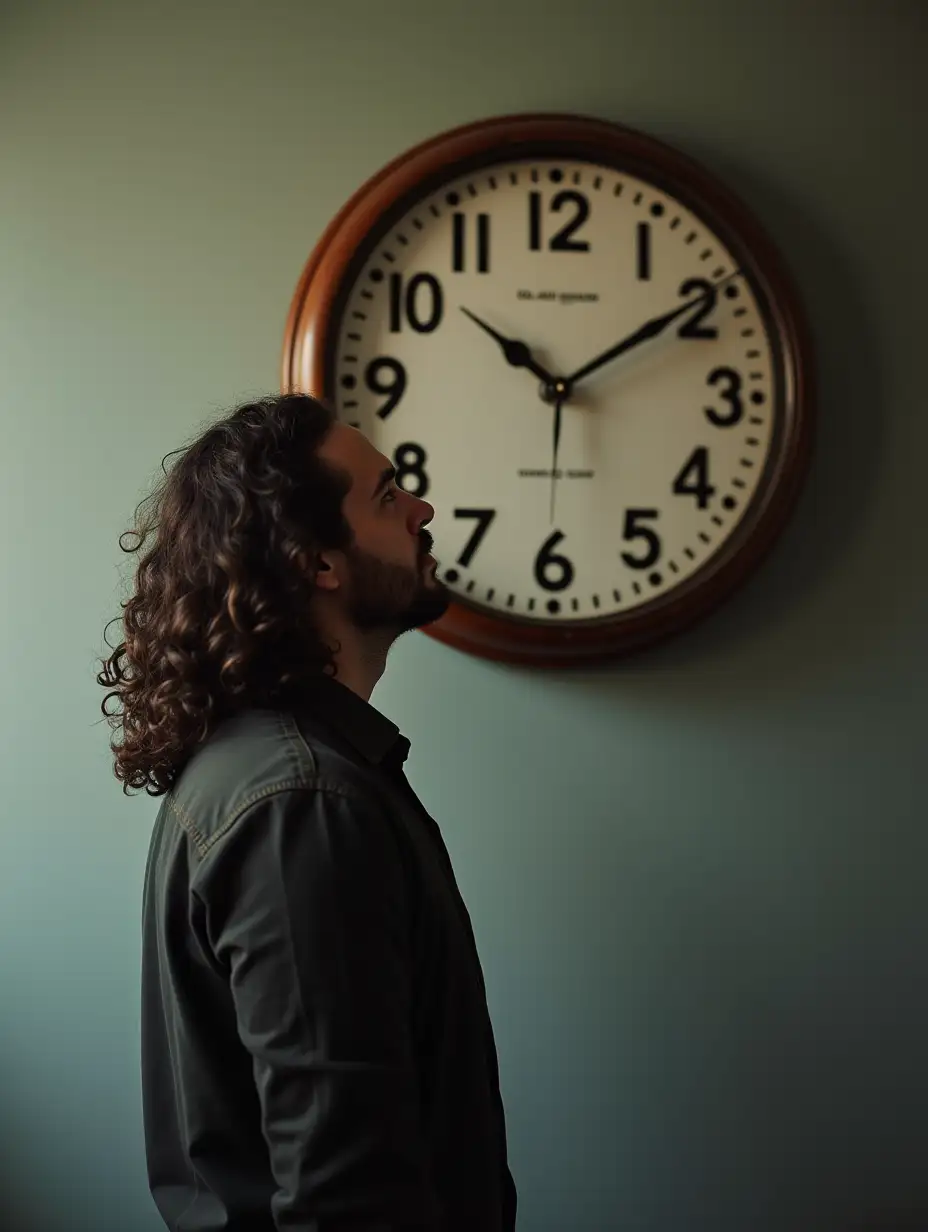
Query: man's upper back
[315, 1037]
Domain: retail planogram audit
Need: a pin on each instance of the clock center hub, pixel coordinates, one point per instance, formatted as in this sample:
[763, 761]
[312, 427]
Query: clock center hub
[557, 390]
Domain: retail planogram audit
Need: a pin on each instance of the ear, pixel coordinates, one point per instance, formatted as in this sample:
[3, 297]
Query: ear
[328, 570]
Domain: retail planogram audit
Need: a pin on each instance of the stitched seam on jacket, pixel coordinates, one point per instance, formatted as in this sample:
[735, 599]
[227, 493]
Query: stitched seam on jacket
[204, 844]
[301, 745]
[187, 823]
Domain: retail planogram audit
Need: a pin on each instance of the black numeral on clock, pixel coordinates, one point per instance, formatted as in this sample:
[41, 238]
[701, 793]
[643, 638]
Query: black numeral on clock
[562, 240]
[731, 392]
[693, 479]
[553, 571]
[384, 375]
[643, 250]
[409, 460]
[459, 243]
[421, 304]
[484, 519]
[635, 529]
[694, 328]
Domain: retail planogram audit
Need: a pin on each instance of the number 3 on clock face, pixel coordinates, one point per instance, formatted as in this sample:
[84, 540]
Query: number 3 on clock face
[578, 522]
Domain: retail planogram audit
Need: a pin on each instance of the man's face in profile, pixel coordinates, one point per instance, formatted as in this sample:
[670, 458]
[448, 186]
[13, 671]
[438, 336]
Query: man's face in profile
[389, 579]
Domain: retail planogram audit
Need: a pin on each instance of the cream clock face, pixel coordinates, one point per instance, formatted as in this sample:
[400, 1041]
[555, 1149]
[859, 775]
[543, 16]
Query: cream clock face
[584, 499]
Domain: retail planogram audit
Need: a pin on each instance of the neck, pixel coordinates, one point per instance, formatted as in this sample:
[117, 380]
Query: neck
[360, 660]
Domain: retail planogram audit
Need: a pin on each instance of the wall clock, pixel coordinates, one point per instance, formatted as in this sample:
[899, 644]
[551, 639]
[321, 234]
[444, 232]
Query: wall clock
[582, 349]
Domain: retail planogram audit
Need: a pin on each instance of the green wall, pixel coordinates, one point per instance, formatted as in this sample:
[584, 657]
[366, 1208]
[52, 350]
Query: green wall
[697, 879]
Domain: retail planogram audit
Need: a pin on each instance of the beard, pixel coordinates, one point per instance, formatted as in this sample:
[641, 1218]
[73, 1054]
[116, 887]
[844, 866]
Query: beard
[393, 598]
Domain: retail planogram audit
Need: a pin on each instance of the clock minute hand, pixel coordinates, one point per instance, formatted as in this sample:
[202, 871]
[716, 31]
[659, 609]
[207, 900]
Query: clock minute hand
[650, 329]
[516, 352]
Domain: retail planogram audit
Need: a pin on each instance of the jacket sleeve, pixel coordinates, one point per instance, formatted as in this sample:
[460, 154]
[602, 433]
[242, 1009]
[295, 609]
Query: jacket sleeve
[307, 910]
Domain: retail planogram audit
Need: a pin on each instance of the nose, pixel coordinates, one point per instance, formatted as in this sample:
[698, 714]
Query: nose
[420, 515]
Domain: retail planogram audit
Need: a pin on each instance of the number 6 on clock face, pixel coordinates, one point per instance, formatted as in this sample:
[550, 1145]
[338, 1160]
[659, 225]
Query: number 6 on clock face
[585, 353]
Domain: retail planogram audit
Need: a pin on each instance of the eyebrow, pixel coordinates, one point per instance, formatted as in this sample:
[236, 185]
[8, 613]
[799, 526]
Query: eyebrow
[387, 475]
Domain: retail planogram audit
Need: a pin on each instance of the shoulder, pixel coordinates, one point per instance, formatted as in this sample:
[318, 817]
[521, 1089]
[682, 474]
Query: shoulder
[259, 755]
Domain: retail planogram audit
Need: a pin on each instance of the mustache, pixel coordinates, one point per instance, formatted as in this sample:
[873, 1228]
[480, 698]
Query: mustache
[426, 543]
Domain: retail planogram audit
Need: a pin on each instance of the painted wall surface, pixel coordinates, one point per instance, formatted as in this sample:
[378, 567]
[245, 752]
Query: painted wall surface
[697, 879]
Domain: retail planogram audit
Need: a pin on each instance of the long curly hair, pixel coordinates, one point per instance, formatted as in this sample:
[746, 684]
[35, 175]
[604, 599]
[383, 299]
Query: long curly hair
[220, 617]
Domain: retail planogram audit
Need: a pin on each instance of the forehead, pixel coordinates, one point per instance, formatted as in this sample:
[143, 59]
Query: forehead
[352, 452]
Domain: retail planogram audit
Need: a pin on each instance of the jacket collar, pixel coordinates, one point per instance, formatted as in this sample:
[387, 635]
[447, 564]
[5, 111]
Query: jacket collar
[373, 735]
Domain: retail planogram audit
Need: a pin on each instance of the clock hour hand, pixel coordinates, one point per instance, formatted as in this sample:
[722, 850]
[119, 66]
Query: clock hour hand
[516, 352]
[650, 329]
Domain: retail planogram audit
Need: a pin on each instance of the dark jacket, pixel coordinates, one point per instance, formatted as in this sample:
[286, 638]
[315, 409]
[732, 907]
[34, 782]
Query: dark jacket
[317, 1052]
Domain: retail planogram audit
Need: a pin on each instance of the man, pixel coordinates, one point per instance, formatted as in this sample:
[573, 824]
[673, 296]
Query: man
[317, 1052]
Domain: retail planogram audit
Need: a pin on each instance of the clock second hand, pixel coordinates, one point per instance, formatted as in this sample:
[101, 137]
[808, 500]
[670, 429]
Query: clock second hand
[559, 399]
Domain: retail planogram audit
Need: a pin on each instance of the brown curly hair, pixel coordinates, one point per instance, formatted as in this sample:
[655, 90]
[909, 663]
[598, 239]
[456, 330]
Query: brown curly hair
[219, 620]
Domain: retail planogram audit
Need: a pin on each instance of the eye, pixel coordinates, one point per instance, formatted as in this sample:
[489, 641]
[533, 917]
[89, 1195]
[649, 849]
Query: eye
[388, 496]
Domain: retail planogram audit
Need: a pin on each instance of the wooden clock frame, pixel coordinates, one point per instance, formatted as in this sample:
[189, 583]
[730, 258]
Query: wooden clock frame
[318, 302]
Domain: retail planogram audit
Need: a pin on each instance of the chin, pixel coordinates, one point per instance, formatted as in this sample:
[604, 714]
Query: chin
[428, 607]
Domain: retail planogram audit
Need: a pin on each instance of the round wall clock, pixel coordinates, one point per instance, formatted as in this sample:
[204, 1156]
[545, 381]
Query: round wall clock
[582, 349]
